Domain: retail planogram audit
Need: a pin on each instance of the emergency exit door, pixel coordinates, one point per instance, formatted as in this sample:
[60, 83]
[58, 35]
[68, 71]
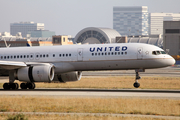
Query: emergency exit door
[80, 54]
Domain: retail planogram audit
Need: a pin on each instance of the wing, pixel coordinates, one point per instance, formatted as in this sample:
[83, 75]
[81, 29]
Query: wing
[10, 65]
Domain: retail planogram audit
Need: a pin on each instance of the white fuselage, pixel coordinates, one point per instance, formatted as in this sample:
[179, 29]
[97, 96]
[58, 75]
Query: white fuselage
[69, 58]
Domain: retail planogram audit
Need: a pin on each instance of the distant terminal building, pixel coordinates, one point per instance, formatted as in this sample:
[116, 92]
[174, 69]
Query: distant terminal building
[41, 33]
[25, 27]
[21, 42]
[156, 21]
[94, 35]
[131, 21]
[61, 40]
[171, 42]
[147, 40]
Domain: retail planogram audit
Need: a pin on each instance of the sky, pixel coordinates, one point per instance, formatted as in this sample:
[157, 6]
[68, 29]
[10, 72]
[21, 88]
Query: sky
[68, 17]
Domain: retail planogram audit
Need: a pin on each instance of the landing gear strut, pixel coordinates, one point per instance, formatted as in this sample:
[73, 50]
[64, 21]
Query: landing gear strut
[136, 84]
[11, 84]
[15, 86]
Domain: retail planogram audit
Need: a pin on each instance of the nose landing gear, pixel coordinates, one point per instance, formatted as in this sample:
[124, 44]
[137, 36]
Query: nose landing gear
[137, 84]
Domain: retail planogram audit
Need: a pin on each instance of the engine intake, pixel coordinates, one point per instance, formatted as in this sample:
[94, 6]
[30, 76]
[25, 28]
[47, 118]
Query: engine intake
[41, 73]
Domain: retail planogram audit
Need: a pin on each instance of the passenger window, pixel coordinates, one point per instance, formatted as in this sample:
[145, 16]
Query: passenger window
[14, 56]
[122, 53]
[105, 53]
[1, 57]
[53, 55]
[41, 56]
[115, 53]
[59, 55]
[66, 55]
[92, 54]
[95, 53]
[4, 57]
[125, 53]
[108, 53]
[11, 57]
[27, 56]
[112, 53]
[31, 56]
[44, 55]
[63, 55]
[99, 53]
[69, 54]
[47, 55]
[102, 53]
[7, 57]
[118, 53]
[18, 56]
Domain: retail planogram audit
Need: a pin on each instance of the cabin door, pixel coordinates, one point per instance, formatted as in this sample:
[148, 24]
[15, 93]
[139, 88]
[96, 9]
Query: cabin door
[140, 53]
[80, 54]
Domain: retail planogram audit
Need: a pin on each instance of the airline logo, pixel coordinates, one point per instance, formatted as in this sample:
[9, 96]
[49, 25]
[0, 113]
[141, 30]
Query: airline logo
[100, 49]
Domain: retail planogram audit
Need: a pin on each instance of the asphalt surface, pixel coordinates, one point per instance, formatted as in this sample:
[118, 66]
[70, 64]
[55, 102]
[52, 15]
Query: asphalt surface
[173, 94]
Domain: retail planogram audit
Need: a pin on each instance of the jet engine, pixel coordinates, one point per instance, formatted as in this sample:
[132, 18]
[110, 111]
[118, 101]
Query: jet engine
[70, 76]
[41, 73]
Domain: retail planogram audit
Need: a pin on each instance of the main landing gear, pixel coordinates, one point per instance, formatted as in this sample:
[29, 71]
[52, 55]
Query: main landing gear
[136, 84]
[14, 86]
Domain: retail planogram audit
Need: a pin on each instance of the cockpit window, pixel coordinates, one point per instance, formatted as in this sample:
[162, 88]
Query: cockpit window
[158, 52]
[154, 52]
[163, 52]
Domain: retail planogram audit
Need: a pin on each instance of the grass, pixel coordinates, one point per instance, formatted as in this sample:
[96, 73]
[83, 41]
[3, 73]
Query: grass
[78, 117]
[116, 83]
[167, 107]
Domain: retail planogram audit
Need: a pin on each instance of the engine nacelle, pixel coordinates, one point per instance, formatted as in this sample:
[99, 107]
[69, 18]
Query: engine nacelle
[41, 73]
[70, 76]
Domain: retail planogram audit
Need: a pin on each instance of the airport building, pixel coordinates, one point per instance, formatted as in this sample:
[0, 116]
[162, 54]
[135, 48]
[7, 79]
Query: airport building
[156, 21]
[94, 35]
[41, 33]
[131, 21]
[171, 36]
[25, 27]
[39, 41]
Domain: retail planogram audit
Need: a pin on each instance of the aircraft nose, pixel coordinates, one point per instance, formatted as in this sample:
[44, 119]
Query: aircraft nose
[172, 61]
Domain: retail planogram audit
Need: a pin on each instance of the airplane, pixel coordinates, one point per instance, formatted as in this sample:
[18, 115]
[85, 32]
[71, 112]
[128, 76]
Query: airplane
[65, 63]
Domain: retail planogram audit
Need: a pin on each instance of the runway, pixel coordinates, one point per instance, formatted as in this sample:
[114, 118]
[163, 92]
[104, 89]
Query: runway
[173, 94]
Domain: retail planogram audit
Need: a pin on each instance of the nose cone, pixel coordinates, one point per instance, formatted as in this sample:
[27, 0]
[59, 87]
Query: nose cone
[171, 61]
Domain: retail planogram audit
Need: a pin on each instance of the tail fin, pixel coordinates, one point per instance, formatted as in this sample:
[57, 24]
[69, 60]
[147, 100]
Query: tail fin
[28, 44]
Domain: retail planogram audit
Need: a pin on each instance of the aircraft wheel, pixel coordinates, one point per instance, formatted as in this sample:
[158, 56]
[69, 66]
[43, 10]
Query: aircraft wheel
[17, 86]
[13, 86]
[30, 85]
[136, 84]
[6, 86]
[23, 86]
